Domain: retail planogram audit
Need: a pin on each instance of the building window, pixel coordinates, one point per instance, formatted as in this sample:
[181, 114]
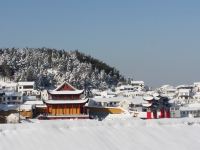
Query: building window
[28, 87]
[14, 98]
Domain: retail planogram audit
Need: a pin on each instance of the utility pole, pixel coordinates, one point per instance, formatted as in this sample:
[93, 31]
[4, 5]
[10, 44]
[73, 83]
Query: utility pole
[19, 114]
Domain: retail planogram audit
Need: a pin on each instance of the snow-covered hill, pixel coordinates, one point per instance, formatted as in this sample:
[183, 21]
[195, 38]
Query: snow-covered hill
[49, 67]
[128, 134]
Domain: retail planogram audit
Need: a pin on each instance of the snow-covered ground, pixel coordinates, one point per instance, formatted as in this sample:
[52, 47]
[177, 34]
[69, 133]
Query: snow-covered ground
[112, 134]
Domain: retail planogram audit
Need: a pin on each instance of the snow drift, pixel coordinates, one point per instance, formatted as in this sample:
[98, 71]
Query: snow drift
[127, 134]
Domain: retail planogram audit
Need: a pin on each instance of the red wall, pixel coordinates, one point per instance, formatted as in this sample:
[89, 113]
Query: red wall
[65, 97]
[148, 115]
[155, 114]
[167, 114]
[162, 113]
[66, 88]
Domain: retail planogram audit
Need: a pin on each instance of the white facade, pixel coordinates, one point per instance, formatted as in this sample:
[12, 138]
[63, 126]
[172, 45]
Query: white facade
[124, 89]
[197, 86]
[190, 112]
[8, 86]
[44, 95]
[184, 93]
[134, 94]
[168, 91]
[175, 112]
[108, 94]
[138, 85]
[95, 103]
[26, 88]
[109, 102]
[196, 96]
[11, 98]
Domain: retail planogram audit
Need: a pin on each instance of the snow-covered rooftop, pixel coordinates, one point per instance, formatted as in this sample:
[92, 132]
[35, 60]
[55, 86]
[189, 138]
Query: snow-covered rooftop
[8, 107]
[26, 107]
[63, 84]
[194, 105]
[197, 83]
[185, 86]
[148, 98]
[125, 87]
[26, 83]
[137, 82]
[34, 102]
[41, 106]
[189, 108]
[5, 107]
[12, 93]
[146, 104]
[29, 98]
[65, 92]
[184, 90]
[10, 84]
[137, 100]
[113, 99]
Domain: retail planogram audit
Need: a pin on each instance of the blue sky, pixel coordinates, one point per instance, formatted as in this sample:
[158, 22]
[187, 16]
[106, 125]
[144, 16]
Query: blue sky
[156, 41]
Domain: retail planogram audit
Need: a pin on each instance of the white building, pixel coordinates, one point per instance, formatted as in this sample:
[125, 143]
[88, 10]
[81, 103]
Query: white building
[196, 96]
[184, 94]
[11, 97]
[44, 95]
[138, 85]
[105, 102]
[34, 104]
[192, 110]
[134, 94]
[8, 86]
[168, 91]
[175, 111]
[107, 94]
[197, 86]
[26, 88]
[121, 90]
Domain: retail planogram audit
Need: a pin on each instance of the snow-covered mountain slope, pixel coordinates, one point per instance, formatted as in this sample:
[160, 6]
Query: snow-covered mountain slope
[128, 134]
[49, 67]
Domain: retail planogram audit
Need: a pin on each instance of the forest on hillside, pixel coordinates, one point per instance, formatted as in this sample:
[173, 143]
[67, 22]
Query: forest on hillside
[49, 67]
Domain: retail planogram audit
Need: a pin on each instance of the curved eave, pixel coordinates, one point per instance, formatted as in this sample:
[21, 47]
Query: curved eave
[148, 98]
[147, 105]
[66, 101]
[157, 98]
[156, 95]
[66, 92]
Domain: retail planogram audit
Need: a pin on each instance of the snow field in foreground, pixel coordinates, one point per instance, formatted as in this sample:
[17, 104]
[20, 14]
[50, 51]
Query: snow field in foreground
[127, 134]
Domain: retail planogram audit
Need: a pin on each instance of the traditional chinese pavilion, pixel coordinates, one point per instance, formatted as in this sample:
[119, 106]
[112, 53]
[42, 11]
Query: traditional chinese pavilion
[66, 101]
[156, 107]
